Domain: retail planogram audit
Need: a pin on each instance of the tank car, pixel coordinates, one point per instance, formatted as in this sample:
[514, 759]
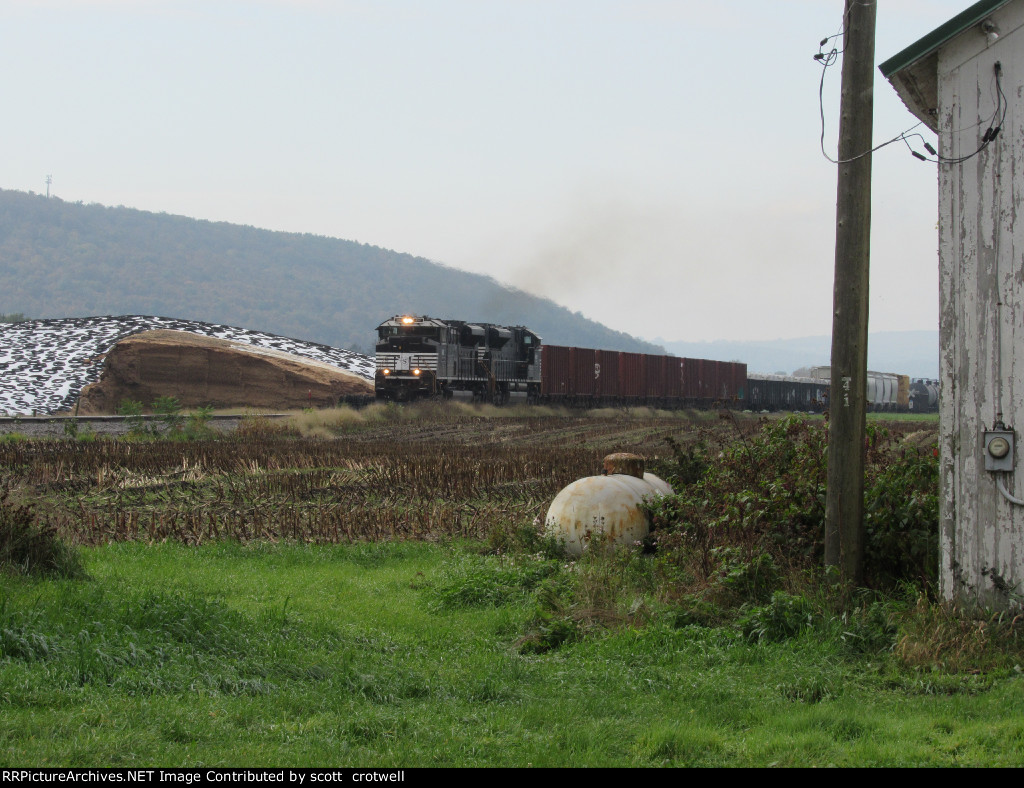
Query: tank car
[421, 356]
[924, 395]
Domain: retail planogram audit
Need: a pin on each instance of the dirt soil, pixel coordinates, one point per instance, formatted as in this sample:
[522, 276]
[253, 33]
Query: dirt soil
[203, 371]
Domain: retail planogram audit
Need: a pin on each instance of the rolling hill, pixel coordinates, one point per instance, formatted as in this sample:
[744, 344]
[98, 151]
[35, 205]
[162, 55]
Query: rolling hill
[61, 259]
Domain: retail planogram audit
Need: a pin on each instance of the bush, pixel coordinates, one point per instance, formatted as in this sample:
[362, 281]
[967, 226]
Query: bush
[76, 432]
[869, 629]
[762, 496]
[168, 413]
[752, 579]
[688, 464]
[603, 589]
[198, 424]
[759, 510]
[901, 515]
[28, 547]
[132, 411]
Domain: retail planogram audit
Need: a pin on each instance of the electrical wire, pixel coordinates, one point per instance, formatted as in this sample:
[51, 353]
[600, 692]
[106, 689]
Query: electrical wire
[1002, 107]
[829, 58]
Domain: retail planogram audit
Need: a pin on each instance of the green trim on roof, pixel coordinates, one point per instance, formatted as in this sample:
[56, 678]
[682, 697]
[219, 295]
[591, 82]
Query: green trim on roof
[965, 19]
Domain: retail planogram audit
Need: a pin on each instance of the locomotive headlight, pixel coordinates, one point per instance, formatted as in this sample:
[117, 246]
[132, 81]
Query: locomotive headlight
[408, 321]
[416, 372]
[385, 372]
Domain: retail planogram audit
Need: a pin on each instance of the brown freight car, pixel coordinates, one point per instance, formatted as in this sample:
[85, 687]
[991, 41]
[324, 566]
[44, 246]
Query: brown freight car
[590, 378]
[607, 373]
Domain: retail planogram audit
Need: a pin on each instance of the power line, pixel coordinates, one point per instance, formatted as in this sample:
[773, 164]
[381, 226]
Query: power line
[828, 58]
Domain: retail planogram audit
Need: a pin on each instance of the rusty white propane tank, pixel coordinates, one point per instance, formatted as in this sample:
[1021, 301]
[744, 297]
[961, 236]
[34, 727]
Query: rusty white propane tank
[605, 509]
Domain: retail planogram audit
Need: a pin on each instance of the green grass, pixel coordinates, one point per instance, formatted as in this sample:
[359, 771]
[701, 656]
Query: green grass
[408, 654]
[924, 418]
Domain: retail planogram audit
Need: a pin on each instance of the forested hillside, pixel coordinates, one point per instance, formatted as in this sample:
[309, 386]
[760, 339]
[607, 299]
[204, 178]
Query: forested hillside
[60, 259]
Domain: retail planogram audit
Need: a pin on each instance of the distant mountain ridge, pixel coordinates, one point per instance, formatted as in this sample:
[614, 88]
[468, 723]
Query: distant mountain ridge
[913, 353]
[60, 259]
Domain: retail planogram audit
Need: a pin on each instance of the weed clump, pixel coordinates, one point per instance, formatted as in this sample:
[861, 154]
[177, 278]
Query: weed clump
[601, 590]
[486, 582]
[255, 427]
[30, 547]
[785, 617]
[948, 637]
[753, 521]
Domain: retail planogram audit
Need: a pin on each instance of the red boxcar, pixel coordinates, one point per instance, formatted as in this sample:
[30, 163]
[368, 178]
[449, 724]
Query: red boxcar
[586, 376]
[691, 380]
[737, 381]
[582, 373]
[631, 381]
[710, 387]
[654, 376]
[555, 371]
[607, 373]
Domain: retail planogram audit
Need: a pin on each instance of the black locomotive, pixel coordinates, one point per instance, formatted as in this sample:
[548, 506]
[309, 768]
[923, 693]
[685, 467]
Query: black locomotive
[420, 357]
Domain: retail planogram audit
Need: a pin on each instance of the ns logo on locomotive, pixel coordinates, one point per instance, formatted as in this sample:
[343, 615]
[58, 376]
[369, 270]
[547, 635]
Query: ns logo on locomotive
[422, 357]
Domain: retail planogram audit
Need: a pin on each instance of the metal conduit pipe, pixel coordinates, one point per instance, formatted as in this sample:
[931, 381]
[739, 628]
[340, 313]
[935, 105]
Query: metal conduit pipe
[1001, 484]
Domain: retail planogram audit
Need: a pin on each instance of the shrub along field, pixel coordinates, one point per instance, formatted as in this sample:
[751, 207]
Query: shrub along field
[372, 588]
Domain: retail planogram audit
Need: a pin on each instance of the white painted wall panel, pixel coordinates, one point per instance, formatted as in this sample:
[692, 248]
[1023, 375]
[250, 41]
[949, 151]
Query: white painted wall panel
[981, 250]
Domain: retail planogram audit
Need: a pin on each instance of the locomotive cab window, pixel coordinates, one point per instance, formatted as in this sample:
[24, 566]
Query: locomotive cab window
[409, 339]
[471, 336]
[427, 332]
[498, 337]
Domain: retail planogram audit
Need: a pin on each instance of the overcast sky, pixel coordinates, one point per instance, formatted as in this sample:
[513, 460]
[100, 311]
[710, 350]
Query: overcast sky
[653, 164]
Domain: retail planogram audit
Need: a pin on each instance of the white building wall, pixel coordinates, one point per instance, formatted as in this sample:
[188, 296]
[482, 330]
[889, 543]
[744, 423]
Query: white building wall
[981, 252]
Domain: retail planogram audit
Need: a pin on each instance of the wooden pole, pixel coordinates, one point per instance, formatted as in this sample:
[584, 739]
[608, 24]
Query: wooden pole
[844, 517]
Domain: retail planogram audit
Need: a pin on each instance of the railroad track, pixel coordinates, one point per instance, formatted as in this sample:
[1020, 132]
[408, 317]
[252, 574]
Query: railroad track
[59, 426]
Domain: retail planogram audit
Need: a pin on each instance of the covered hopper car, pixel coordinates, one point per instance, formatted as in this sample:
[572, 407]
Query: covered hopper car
[886, 391]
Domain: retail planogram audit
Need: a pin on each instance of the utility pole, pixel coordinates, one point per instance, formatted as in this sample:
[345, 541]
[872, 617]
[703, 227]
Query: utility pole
[844, 508]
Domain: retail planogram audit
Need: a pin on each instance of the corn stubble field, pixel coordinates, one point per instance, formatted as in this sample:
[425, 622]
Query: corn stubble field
[440, 476]
[372, 588]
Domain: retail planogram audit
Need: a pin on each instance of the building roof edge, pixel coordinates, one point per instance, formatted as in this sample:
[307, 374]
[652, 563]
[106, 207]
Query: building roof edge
[925, 46]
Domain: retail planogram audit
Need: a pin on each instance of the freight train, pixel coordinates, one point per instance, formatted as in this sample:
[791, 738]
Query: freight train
[422, 357]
